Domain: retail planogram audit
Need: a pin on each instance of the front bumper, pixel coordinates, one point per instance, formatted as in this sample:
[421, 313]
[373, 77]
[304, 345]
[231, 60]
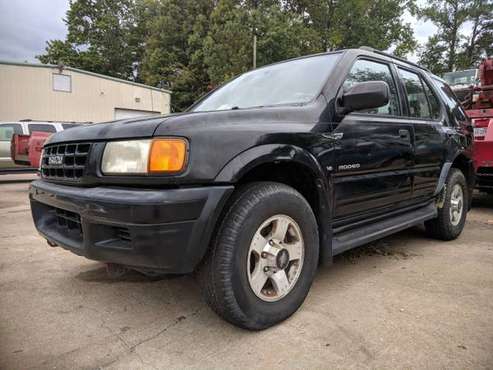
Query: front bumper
[160, 230]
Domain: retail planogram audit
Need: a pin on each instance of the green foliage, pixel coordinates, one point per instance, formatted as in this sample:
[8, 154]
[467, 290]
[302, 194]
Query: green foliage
[190, 46]
[432, 56]
[353, 23]
[451, 48]
[173, 56]
[228, 45]
[480, 42]
[102, 37]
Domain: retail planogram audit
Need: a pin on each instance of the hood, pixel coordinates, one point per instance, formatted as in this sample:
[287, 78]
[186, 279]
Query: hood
[266, 119]
[121, 129]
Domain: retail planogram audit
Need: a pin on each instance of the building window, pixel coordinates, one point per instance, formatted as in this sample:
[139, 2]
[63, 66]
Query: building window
[62, 82]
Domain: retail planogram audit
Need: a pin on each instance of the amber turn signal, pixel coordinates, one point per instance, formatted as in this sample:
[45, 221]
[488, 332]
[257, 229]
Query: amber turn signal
[167, 155]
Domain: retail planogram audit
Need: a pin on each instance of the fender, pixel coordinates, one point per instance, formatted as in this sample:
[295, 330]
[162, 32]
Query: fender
[277, 153]
[443, 177]
[470, 175]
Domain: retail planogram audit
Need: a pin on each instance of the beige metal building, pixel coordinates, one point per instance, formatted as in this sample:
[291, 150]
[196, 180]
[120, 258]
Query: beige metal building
[52, 93]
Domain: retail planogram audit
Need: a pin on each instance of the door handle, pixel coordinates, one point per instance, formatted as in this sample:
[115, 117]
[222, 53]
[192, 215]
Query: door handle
[404, 134]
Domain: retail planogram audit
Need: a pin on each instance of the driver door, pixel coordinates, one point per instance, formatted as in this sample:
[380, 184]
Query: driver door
[374, 153]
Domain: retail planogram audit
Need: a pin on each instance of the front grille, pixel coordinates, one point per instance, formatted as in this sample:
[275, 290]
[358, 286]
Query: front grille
[65, 161]
[68, 220]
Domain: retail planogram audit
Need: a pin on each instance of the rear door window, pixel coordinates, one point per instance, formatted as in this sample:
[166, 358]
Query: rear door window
[366, 70]
[416, 96]
[8, 130]
[41, 127]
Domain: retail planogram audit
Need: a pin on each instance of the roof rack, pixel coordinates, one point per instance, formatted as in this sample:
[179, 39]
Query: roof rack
[368, 48]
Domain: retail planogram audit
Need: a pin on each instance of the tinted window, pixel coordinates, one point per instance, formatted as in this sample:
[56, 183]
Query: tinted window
[41, 127]
[416, 97]
[365, 70]
[450, 100]
[8, 130]
[296, 81]
[433, 102]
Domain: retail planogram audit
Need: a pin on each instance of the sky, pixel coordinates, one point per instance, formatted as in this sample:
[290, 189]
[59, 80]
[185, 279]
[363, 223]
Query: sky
[26, 25]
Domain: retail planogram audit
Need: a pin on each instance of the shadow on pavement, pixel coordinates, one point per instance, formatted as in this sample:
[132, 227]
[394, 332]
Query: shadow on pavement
[482, 200]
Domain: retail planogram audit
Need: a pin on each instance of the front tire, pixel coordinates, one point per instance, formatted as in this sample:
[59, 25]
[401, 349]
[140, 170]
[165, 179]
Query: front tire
[263, 258]
[452, 215]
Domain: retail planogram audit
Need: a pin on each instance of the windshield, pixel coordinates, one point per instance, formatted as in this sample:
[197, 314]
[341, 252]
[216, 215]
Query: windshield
[296, 81]
[467, 77]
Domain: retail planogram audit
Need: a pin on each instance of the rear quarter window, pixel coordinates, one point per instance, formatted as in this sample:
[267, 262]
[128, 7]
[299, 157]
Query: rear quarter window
[450, 99]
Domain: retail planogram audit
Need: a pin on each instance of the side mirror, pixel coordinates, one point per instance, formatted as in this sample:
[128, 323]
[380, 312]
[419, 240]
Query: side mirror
[364, 95]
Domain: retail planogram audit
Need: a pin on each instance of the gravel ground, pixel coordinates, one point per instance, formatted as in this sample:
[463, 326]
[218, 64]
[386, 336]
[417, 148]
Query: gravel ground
[404, 302]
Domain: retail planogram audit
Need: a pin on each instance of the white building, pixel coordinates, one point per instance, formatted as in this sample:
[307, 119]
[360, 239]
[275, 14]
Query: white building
[52, 93]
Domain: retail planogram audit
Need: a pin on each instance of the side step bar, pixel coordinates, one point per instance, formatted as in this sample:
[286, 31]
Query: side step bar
[353, 238]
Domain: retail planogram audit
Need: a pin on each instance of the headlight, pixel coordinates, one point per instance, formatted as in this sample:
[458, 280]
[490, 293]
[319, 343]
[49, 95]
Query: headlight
[162, 155]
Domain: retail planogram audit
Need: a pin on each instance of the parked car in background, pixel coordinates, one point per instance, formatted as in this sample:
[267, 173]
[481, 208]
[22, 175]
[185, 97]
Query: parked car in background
[264, 178]
[12, 161]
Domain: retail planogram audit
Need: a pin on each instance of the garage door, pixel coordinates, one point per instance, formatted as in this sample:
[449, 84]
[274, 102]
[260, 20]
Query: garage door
[121, 113]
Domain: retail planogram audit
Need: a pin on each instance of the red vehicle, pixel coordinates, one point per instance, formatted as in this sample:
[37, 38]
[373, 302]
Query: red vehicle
[27, 142]
[478, 103]
[26, 149]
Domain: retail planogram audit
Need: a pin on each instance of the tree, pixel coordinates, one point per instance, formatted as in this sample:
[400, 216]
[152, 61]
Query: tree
[451, 48]
[353, 23]
[449, 16]
[228, 47]
[480, 42]
[432, 56]
[281, 34]
[173, 57]
[101, 38]
[190, 46]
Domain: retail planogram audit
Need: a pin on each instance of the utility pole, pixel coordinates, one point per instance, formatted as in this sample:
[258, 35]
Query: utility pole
[254, 50]
[255, 6]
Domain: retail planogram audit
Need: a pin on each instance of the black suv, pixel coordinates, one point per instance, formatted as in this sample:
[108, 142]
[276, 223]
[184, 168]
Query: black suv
[264, 178]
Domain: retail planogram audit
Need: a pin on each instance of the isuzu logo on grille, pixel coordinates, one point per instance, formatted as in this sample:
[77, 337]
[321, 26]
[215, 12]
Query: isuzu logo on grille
[55, 160]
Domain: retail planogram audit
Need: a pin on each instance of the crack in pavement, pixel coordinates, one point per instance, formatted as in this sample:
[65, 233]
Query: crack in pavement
[133, 349]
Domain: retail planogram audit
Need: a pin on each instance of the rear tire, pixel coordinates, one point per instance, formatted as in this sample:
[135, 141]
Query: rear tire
[269, 229]
[452, 215]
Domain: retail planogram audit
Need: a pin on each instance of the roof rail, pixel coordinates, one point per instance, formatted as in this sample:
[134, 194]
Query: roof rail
[369, 48]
